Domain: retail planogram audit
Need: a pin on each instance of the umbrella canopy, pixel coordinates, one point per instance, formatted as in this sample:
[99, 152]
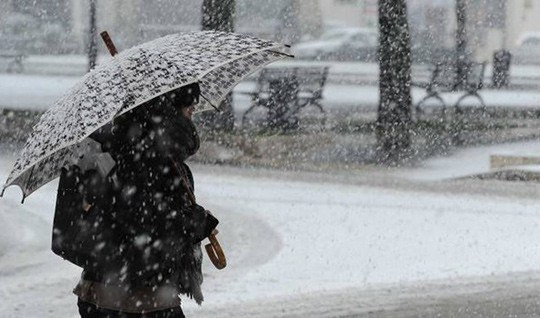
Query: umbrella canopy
[216, 60]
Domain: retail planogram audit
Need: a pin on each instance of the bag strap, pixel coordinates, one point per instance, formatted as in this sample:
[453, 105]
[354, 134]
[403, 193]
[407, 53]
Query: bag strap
[183, 174]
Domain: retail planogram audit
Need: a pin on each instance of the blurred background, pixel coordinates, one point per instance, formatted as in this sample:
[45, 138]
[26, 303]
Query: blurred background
[47, 45]
[62, 26]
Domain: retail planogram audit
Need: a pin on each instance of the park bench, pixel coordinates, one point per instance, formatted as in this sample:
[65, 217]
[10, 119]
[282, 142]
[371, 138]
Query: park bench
[444, 80]
[284, 92]
[15, 60]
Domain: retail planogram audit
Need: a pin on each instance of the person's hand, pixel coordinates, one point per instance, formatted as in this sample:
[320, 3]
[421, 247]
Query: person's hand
[215, 232]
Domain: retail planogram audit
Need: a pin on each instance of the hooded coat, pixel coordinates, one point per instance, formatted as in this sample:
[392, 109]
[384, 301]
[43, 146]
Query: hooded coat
[142, 230]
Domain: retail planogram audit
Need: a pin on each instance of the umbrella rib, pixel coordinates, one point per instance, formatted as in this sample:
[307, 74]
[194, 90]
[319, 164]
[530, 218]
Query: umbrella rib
[27, 181]
[269, 49]
[272, 50]
[281, 53]
[209, 102]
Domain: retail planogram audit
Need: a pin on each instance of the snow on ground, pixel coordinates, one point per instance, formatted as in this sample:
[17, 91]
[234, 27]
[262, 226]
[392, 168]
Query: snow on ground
[285, 237]
[468, 161]
[338, 236]
[33, 92]
[39, 92]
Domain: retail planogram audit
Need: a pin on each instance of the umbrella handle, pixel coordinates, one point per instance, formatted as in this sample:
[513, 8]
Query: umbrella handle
[109, 43]
[215, 253]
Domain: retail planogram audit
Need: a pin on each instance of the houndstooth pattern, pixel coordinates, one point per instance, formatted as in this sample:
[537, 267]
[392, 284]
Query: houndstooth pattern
[217, 60]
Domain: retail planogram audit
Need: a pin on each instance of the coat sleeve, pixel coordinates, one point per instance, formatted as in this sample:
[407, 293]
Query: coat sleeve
[198, 223]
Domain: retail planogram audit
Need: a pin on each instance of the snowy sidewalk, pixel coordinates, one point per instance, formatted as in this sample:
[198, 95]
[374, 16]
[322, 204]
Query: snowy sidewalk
[468, 161]
[287, 237]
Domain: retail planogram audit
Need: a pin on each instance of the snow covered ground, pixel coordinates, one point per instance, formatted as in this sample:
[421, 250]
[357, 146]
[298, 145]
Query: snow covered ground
[33, 92]
[288, 236]
[302, 236]
[470, 161]
[39, 92]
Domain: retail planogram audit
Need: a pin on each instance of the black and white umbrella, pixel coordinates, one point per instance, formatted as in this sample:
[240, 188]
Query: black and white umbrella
[216, 60]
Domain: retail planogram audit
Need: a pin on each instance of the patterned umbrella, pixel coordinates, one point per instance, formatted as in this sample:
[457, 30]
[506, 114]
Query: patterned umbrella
[216, 60]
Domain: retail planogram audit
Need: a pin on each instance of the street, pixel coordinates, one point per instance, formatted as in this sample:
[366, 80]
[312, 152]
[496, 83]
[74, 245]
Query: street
[404, 246]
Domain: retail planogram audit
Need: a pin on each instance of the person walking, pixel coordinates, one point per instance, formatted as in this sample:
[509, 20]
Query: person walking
[147, 249]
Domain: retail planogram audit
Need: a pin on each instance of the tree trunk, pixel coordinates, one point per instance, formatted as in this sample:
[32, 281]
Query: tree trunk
[461, 43]
[394, 113]
[92, 43]
[219, 15]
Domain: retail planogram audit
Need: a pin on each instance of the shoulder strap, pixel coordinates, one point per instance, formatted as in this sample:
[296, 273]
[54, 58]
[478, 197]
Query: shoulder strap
[185, 180]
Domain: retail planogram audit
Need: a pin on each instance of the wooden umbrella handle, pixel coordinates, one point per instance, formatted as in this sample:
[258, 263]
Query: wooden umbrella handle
[109, 43]
[215, 253]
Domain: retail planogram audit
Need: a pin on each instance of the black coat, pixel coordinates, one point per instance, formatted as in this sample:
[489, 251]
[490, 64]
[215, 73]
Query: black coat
[142, 229]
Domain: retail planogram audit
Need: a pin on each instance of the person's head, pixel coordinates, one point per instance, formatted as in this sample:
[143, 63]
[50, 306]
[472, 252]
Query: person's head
[185, 98]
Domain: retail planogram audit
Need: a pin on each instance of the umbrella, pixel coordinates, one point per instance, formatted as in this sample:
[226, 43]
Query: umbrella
[216, 60]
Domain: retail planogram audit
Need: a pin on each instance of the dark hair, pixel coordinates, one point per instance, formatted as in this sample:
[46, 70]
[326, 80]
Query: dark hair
[185, 96]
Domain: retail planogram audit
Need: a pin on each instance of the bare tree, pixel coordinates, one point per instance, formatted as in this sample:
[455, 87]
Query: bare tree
[219, 15]
[393, 127]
